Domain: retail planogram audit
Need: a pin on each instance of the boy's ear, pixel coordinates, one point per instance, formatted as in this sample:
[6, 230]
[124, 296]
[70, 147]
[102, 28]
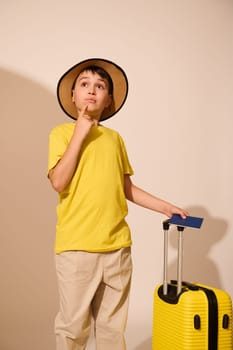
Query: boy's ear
[72, 95]
[109, 101]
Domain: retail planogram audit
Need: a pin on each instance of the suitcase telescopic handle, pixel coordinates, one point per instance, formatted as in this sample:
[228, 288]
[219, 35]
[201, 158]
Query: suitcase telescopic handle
[180, 229]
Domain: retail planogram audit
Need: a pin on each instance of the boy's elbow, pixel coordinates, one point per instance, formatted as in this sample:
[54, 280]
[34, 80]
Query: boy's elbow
[57, 185]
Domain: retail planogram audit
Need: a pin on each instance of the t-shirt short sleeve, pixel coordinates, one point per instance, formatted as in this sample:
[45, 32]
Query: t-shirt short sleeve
[127, 168]
[57, 145]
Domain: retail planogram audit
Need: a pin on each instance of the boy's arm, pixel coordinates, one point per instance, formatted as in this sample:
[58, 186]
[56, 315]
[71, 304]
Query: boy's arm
[147, 200]
[61, 175]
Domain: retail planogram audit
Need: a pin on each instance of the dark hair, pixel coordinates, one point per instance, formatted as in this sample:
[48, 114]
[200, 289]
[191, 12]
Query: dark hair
[102, 73]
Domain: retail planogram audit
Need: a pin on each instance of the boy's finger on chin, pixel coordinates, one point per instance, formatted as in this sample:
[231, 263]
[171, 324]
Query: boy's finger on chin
[84, 109]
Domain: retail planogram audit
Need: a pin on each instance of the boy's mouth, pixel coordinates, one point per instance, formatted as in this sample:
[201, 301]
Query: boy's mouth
[91, 100]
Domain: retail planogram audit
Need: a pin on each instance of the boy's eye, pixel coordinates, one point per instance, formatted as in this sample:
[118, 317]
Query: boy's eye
[84, 84]
[100, 86]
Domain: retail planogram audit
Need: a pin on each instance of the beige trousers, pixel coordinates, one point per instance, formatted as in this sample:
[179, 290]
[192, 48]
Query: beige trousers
[93, 285]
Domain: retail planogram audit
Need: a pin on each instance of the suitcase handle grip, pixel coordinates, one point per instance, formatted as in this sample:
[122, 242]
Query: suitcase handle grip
[166, 225]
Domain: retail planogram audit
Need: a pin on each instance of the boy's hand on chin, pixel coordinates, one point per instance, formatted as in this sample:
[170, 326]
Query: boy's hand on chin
[84, 122]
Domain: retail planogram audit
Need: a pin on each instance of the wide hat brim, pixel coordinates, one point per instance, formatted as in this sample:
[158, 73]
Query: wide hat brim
[120, 87]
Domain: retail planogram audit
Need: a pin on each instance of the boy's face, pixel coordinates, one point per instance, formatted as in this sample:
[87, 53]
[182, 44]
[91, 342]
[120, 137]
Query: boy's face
[93, 91]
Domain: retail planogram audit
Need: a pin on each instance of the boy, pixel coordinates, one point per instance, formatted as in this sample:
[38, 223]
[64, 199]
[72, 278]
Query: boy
[89, 168]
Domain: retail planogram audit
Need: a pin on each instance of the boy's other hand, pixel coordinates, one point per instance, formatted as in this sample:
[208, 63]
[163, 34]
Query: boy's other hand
[175, 210]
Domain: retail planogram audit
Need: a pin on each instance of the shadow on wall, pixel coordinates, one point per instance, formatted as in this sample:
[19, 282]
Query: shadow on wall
[28, 300]
[197, 263]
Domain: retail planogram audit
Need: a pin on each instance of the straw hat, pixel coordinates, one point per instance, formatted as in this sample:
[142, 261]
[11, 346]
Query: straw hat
[120, 86]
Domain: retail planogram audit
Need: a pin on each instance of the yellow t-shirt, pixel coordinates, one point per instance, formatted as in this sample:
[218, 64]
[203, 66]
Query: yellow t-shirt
[92, 209]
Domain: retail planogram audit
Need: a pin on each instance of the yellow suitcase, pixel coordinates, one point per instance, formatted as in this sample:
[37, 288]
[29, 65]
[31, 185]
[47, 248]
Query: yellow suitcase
[189, 316]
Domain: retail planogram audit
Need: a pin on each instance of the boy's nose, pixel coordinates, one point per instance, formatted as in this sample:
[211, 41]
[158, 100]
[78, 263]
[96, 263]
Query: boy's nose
[91, 90]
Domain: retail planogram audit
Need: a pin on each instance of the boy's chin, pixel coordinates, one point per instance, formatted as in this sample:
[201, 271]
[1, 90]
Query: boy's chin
[94, 114]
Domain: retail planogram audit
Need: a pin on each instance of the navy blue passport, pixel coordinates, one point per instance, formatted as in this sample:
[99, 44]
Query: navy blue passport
[190, 221]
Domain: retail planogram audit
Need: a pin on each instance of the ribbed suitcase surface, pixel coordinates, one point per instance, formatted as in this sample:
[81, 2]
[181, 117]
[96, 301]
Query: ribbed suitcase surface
[185, 324]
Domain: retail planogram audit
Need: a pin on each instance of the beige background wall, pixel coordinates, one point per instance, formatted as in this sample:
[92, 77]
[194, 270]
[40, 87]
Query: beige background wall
[177, 126]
